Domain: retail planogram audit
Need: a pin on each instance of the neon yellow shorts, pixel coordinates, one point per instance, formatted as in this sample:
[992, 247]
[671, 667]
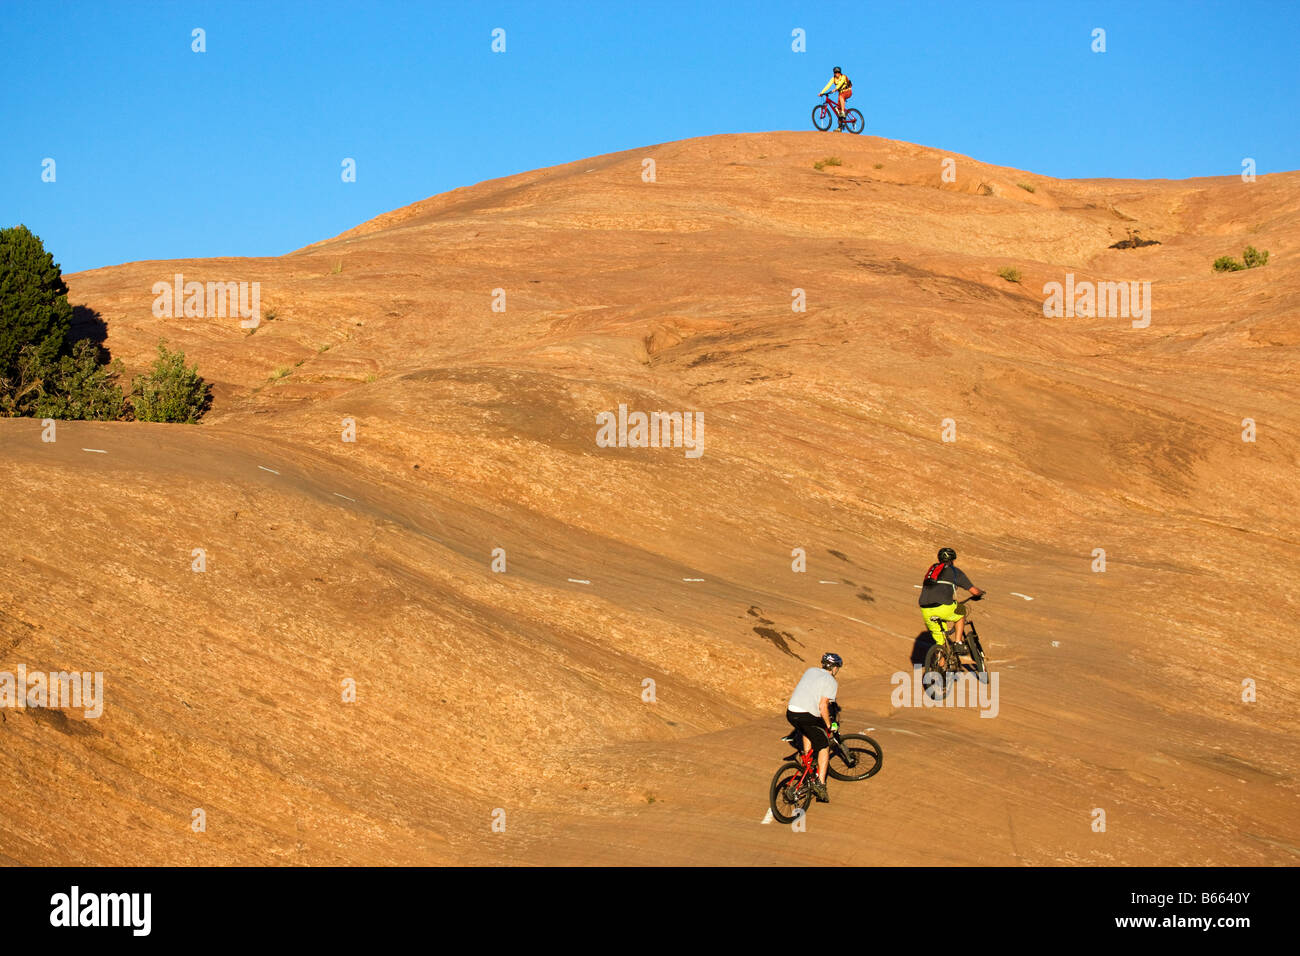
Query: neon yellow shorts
[945, 612]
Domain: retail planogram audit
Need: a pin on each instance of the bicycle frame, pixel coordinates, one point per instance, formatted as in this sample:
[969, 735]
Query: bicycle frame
[833, 103]
[809, 763]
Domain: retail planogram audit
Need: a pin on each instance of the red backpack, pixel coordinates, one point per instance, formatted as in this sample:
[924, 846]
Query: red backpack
[932, 576]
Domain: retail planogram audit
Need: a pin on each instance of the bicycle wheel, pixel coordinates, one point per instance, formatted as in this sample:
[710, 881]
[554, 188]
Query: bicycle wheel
[854, 122]
[977, 655]
[784, 798]
[858, 758]
[822, 117]
[936, 662]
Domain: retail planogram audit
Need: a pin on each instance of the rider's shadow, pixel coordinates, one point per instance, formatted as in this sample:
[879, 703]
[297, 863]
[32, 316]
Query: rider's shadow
[924, 641]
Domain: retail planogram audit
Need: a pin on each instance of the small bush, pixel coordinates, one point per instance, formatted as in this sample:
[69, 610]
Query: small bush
[1027, 187]
[280, 372]
[81, 387]
[828, 161]
[338, 268]
[75, 387]
[170, 392]
[878, 166]
[1010, 273]
[20, 389]
[1253, 258]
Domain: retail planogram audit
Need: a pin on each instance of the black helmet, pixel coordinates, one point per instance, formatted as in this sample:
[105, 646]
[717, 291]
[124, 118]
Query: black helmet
[837, 69]
[947, 555]
[830, 659]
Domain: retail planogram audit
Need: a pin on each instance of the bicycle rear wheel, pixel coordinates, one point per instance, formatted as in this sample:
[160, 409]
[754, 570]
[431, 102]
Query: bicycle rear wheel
[854, 122]
[858, 758]
[937, 662]
[784, 797]
[822, 117]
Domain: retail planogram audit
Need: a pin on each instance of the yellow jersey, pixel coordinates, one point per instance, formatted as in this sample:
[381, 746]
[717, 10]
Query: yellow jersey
[839, 82]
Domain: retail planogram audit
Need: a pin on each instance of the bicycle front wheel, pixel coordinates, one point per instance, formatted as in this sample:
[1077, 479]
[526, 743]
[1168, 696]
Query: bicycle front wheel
[785, 798]
[854, 122]
[857, 757]
[977, 653]
[822, 117]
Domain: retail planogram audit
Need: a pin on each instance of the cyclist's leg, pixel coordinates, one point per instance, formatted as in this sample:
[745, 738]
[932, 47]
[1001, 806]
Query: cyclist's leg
[822, 742]
[810, 725]
[945, 613]
[959, 632]
[801, 739]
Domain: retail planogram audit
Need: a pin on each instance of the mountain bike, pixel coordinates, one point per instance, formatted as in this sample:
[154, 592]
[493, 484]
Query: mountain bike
[823, 111]
[853, 757]
[946, 658]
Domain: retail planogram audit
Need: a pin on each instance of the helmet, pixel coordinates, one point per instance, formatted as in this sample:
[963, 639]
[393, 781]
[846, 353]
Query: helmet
[837, 69]
[830, 659]
[947, 555]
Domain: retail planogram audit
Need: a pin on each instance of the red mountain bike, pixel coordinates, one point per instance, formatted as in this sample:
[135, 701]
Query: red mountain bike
[823, 111]
[853, 757]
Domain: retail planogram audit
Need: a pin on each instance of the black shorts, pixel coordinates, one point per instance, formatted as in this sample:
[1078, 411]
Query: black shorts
[811, 726]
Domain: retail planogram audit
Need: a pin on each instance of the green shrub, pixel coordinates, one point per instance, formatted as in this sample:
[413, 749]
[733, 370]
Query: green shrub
[80, 386]
[1252, 257]
[20, 389]
[170, 392]
[828, 161]
[34, 307]
[1027, 187]
[1010, 273]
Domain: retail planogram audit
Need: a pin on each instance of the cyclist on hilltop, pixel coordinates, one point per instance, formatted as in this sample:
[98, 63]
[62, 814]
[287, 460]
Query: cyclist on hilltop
[845, 87]
[809, 713]
[939, 597]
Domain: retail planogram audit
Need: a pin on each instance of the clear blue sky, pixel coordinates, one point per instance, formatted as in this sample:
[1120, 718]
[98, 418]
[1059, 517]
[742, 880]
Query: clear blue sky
[164, 153]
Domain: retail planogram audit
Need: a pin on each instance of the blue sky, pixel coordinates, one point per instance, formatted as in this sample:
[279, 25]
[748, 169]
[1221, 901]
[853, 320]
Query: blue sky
[165, 153]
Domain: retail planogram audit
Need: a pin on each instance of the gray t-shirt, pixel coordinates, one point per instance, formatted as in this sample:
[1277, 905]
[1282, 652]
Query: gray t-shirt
[815, 684]
[944, 590]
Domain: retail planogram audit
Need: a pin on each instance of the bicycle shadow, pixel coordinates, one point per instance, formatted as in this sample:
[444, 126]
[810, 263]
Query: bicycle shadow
[924, 641]
[920, 647]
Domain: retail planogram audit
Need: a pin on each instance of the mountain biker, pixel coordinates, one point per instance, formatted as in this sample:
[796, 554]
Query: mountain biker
[939, 597]
[845, 87]
[809, 714]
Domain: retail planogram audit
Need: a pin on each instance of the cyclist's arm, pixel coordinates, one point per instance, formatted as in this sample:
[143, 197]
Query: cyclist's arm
[826, 712]
[959, 580]
[826, 87]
